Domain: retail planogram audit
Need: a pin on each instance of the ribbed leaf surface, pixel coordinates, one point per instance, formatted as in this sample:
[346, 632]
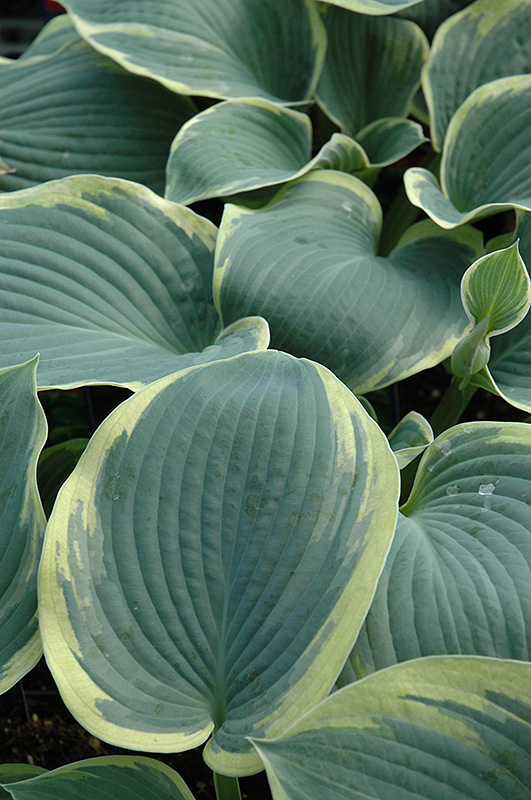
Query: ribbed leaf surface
[217, 48]
[458, 574]
[307, 262]
[376, 7]
[110, 283]
[74, 111]
[211, 558]
[431, 13]
[486, 164]
[243, 145]
[371, 70]
[22, 522]
[111, 777]
[454, 728]
[486, 41]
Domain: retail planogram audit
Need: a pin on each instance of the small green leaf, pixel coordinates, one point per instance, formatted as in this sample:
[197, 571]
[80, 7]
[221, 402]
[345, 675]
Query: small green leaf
[497, 286]
[410, 438]
[472, 353]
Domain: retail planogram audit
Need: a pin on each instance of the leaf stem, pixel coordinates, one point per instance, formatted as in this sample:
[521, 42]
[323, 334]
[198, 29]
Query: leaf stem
[452, 404]
[448, 413]
[227, 788]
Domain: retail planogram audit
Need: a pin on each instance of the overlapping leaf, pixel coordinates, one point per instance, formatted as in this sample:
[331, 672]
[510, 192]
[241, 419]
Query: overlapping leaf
[458, 574]
[112, 777]
[66, 109]
[486, 41]
[431, 13]
[217, 48]
[210, 560]
[371, 70]
[410, 438]
[110, 283]
[244, 145]
[434, 728]
[22, 522]
[508, 372]
[307, 262]
[486, 163]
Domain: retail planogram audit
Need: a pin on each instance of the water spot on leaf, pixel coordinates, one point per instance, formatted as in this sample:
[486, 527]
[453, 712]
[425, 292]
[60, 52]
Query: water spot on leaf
[444, 447]
[112, 488]
[452, 490]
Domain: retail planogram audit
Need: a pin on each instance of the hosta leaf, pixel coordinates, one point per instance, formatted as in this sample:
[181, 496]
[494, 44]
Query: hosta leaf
[237, 146]
[244, 145]
[486, 164]
[486, 41]
[509, 369]
[497, 286]
[16, 772]
[455, 728]
[74, 111]
[112, 777]
[55, 465]
[410, 438]
[217, 48]
[307, 262]
[496, 294]
[371, 70]
[390, 139]
[22, 521]
[110, 283]
[376, 7]
[212, 556]
[431, 13]
[458, 574]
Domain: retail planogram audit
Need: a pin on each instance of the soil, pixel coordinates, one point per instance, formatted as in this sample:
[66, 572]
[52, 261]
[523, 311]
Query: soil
[37, 728]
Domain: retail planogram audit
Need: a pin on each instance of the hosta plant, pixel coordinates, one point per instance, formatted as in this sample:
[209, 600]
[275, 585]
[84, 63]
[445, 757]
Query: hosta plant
[260, 218]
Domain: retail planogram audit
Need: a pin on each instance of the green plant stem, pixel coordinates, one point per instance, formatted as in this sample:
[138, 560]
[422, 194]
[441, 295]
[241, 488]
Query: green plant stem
[226, 788]
[448, 413]
[452, 404]
[401, 214]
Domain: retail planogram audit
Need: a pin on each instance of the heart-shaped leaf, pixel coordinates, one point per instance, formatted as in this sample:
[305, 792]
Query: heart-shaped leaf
[486, 158]
[455, 728]
[486, 41]
[74, 111]
[110, 777]
[22, 436]
[210, 560]
[243, 145]
[458, 574]
[410, 438]
[217, 48]
[110, 283]
[354, 94]
[307, 262]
